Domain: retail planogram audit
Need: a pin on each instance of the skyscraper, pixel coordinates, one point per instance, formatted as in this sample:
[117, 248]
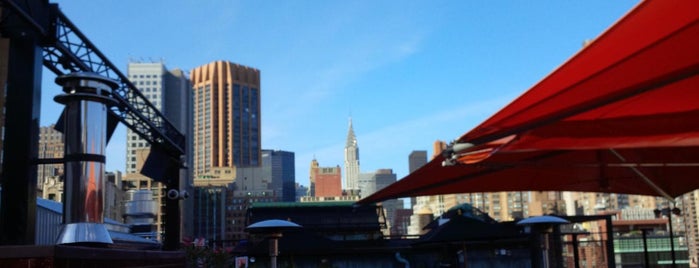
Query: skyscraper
[375, 181]
[690, 203]
[226, 116]
[416, 160]
[169, 92]
[280, 165]
[438, 204]
[351, 160]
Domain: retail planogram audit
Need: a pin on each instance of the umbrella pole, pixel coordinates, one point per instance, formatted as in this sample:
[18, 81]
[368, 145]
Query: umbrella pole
[647, 180]
[672, 241]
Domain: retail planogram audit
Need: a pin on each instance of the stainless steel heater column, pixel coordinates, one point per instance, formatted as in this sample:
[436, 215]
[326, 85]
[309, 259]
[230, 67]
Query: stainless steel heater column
[85, 134]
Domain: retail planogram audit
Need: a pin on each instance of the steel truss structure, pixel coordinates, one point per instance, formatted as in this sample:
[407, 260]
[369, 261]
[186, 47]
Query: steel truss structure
[67, 50]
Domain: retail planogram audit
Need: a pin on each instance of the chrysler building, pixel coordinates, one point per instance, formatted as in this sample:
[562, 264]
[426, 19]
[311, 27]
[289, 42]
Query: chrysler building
[351, 161]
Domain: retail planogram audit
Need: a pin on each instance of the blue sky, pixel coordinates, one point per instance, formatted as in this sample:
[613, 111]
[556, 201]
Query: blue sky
[407, 72]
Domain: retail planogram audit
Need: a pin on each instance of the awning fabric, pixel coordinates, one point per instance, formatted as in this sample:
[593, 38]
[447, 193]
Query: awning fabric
[619, 116]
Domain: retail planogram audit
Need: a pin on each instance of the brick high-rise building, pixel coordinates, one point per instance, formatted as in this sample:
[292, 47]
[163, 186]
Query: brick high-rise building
[325, 181]
[226, 116]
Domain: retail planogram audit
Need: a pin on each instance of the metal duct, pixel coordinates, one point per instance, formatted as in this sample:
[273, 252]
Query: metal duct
[85, 134]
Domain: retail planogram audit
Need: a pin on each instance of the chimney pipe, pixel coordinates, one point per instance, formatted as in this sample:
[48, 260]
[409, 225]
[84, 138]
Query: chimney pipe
[84, 130]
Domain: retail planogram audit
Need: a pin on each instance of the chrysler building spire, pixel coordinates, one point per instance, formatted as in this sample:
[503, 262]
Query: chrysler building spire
[351, 160]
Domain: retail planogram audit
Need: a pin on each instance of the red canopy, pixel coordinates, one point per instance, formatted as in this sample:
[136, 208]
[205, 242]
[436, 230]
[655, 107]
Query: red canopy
[617, 117]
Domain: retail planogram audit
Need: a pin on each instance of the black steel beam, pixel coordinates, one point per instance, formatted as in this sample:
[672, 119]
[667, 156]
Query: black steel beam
[65, 50]
[68, 50]
[72, 52]
[21, 134]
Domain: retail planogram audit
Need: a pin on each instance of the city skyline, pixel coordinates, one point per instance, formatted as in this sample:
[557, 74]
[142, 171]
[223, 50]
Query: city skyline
[576, 145]
[399, 72]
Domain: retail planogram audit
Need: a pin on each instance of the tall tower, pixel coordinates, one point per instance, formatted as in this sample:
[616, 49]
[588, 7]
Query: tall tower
[351, 160]
[312, 177]
[169, 92]
[416, 160]
[280, 167]
[690, 212]
[226, 116]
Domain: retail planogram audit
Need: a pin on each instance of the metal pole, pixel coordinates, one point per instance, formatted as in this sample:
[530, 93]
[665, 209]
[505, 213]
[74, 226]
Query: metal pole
[273, 253]
[672, 243]
[274, 249]
[645, 178]
[545, 251]
[535, 247]
[214, 197]
[557, 246]
[576, 255]
[171, 239]
[610, 242]
[465, 254]
[646, 262]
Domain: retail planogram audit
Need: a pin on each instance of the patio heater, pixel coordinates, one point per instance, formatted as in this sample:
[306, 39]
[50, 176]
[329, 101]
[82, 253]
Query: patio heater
[272, 229]
[84, 132]
[541, 227]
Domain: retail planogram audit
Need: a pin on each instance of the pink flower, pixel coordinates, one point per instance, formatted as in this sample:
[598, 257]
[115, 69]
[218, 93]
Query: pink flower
[200, 242]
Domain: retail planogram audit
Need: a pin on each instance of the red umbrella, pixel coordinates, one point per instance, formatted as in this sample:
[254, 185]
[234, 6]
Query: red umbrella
[617, 117]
